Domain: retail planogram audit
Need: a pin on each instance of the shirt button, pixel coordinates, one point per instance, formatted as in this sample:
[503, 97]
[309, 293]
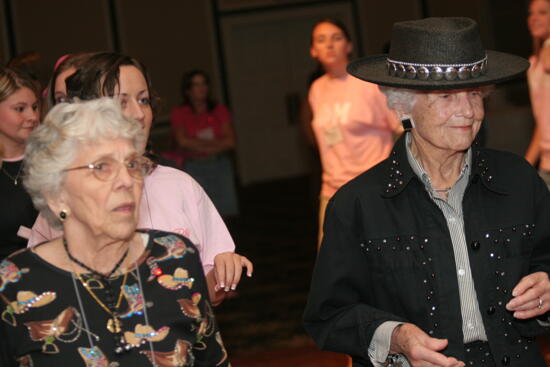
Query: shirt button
[475, 245]
[461, 272]
[491, 310]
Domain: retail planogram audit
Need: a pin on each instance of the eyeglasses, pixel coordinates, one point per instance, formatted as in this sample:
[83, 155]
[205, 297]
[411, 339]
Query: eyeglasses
[108, 168]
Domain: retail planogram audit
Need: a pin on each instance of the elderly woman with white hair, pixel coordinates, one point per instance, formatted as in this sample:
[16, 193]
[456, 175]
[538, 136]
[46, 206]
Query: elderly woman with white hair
[439, 255]
[103, 294]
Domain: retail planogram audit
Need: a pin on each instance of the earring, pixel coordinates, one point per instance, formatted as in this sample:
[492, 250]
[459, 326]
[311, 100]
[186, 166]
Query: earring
[408, 123]
[63, 215]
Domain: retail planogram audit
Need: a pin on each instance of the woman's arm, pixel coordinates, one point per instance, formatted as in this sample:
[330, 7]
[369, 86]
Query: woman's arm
[192, 144]
[222, 144]
[339, 314]
[225, 142]
[222, 266]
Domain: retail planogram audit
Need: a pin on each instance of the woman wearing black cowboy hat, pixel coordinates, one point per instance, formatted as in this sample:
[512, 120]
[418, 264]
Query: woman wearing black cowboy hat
[439, 255]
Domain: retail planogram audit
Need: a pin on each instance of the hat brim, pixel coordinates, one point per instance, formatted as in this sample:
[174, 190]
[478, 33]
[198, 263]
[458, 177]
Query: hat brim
[501, 67]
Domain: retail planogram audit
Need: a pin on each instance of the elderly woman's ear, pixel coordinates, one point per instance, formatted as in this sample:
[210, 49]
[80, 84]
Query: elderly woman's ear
[58, 206]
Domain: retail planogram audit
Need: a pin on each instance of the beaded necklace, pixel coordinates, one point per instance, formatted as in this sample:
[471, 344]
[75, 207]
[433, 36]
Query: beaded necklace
[121, 344]
[93, 271]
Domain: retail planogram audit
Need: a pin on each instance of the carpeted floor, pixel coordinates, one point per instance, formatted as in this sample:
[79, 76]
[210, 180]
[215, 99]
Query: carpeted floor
[277, 230]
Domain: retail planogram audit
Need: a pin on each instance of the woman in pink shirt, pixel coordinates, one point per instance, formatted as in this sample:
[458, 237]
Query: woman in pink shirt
[172, 200]
[538, 77]
[204, 135]
[351, 121]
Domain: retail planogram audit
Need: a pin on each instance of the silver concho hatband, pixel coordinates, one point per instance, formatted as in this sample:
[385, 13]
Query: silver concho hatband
[436, 72]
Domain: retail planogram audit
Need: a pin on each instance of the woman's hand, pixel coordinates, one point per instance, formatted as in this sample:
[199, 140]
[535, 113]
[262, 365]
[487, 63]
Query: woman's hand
[420, 349]
[228, 269]
[531, 296]
[224, 278]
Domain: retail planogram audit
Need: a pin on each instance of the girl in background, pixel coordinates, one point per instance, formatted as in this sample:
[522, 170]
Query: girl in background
[19, 115]
[203, 134]
[351, 121]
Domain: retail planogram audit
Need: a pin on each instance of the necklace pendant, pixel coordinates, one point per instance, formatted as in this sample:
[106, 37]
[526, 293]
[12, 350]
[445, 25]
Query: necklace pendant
[114, 325]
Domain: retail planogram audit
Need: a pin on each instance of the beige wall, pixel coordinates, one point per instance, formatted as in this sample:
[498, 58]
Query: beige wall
[170, 37]
[56, 27]
[377, 18]
[4, 52]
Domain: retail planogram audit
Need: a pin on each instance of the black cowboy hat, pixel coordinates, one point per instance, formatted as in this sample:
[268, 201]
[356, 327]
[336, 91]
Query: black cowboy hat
[437, 54]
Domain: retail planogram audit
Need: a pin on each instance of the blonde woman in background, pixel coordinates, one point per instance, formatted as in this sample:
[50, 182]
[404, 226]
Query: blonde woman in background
[19, 115]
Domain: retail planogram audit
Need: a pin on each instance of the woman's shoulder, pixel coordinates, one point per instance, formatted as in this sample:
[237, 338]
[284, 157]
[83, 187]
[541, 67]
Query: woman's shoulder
[320, 82]
[20, 256]
[168, 245]
[14, 267]
[507, 170]
[165, 175]
[502, 159]
[173, 184]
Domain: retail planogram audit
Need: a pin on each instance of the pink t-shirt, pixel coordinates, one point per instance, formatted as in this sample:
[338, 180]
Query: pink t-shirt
[539, 90]
[207, 125]
[353, 127]
[171, 201]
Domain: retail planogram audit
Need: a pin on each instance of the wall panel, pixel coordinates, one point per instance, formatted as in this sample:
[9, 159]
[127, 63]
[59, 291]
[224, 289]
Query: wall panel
[56, 27]
[170, 38]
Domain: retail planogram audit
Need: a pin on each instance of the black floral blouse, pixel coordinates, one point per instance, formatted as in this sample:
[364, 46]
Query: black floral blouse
[48, 317]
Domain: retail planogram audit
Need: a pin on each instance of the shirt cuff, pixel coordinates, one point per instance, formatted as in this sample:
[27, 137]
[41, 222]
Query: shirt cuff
[379, 346]
[544, 320]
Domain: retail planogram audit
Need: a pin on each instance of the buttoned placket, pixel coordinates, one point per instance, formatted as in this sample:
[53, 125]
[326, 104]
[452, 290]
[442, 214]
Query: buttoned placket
[472, 322]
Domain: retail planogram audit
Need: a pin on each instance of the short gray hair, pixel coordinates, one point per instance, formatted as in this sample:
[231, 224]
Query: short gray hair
[403, 100]
[54, 144]
[399, 99]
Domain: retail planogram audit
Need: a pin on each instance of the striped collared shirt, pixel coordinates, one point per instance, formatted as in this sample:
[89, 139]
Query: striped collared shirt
[472, 323]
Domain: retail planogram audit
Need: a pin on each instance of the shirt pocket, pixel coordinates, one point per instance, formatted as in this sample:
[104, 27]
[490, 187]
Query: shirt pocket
[400, 275]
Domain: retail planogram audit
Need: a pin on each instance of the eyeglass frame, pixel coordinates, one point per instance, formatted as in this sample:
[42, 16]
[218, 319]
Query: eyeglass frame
[93, 167]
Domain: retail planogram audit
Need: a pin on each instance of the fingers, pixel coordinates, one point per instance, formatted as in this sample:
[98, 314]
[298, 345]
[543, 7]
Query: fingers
[426, 356]
[522, 302]
[436, 344]
[524, 284]
[530, 295]
[228, 270]
[219, 268]
[421, 349]
[248, 265]
[235, 275]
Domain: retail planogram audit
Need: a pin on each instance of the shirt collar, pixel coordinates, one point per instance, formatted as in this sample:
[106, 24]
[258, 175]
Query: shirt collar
[425, 178]
[480, 168]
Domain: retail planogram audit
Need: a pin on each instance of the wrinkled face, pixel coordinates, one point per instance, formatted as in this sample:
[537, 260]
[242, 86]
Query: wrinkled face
[538, 19]
[199, 89]
[18, 117]
[134, 97]
[107, 209]
[60, 88]
[448, 120]
[329, 45]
